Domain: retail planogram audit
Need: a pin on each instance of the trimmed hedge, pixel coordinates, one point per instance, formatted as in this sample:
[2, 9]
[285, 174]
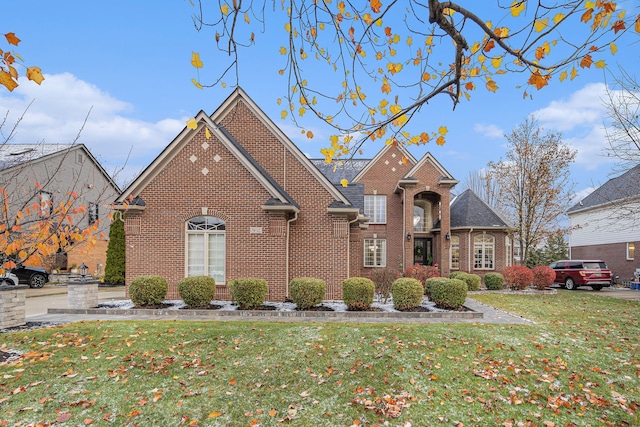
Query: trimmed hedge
[197, 291]
[148, 290]
[543, 277]
[429, 283]
[493, 281]
[407, 293]
[249, 292]
[472, 280]
[358, 292]
[449, 294]
[518, 277]
[307, 292]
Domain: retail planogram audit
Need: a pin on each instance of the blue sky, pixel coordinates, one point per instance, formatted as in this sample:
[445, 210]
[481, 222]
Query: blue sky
[129, 63]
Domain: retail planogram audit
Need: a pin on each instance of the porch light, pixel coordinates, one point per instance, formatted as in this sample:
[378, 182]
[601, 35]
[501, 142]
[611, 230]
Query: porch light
[408, 237]
[83, 269]
[447, 236]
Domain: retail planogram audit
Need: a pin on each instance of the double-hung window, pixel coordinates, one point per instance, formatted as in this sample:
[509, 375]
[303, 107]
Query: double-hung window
[375, 207]
[455, 252]
[206, 247]
[375, 252]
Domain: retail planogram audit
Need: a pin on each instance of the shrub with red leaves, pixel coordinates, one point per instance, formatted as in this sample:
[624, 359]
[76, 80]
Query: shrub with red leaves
[422, 272]
[517, 277]
[543, 277]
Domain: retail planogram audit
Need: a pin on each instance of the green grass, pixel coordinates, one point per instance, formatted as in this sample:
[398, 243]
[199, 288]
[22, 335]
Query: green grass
[577, 365]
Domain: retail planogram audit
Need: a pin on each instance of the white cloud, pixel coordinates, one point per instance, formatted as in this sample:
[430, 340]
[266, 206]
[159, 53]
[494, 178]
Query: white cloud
[582, 109]
[490, 131]
[58, 111]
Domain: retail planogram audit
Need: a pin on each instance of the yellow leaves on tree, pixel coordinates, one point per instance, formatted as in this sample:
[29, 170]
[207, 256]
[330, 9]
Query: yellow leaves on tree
[8, 72]
[517, 7]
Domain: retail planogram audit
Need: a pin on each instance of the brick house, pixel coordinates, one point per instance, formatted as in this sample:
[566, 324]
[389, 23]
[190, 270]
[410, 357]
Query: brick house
[606, 224]
[234, 197]
[61, 169]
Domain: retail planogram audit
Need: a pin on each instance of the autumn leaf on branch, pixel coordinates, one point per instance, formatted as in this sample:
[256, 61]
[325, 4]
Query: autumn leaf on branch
[369, 55]
[8, 73]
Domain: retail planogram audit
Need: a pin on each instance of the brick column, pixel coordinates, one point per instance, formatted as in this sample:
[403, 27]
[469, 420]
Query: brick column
[83, 294]
[12, 306]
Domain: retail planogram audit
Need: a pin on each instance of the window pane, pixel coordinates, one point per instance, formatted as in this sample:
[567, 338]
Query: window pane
[455, 252]
[375, 252]
[631, 249]
[195, 255]
[217, 257]
[375, 207]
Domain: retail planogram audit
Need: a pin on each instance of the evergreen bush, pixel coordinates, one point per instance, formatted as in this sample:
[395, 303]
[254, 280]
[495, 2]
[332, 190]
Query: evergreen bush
[493, 281]
[358, 292]
[407, 293]
[449, 294]
[472, 280]
[148, 290]
[249, 292]
[114, 270]
[197, 291]
[429, 283]
[307, 292]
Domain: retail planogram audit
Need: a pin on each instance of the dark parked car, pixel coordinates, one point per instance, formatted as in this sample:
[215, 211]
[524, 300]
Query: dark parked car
[32, 276]
[575, 272]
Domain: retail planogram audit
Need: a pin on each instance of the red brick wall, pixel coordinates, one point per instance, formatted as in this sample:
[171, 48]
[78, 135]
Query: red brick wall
[466, 250]
[230, 192]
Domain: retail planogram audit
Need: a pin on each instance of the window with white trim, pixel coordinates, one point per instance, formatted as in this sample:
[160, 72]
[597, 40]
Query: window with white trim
[422, 215]
[455, 252]
[631, 249]
[375, 207]
[46, 204]
[206, 247]
[509, 251]
[483, 252]
[375, 252]
[93, 213]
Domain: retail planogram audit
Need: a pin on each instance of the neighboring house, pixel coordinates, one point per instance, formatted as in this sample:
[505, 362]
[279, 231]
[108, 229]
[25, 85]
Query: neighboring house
[58, 170]
[606, 224]
[236, 198]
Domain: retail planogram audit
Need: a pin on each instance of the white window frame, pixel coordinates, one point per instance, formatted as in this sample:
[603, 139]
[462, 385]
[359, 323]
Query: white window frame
[210, 230]
[422, 223]
[375, 207]
[509, 251]
[455, 246]
[46, 204]
[375, 252]
[484, 252]
[93, 213]
[631, 251]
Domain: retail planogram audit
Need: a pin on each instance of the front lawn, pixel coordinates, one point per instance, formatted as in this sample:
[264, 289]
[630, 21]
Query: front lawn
[578, 365]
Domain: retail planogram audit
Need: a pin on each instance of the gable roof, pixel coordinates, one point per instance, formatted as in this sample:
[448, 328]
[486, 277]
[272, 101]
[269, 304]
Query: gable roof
[445, 176]
[14, 155]
[379, 156]
[468, 210]
[279, 196]
[616, 189]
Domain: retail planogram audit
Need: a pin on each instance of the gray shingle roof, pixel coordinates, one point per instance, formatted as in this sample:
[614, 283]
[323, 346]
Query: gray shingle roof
[622, 187]
[469, 210]
[345, 169]
[14, 154]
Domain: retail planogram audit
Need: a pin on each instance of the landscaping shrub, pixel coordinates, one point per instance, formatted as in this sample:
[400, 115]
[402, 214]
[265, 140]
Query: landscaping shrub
[197, 291]
[307, 292]
[383, 279]
[517, 277]
[249, 293]
[449, 294]
[543, 277]
[407, 293]
[472, 280]
[429, 283]
[114, 271]
[149, 290]
[357, 293]
[493, 281]
[422, 272]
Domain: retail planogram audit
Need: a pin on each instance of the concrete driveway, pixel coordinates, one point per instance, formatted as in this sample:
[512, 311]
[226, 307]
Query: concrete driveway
[54, 296]
[622, 293]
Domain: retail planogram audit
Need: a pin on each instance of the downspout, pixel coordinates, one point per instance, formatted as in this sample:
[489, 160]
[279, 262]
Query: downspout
[349, 245]
[404, 225]
[470, 250]
[286, 259]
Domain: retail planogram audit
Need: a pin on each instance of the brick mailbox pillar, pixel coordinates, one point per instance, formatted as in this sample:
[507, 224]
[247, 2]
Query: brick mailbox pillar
[12, 306]
[82, 294]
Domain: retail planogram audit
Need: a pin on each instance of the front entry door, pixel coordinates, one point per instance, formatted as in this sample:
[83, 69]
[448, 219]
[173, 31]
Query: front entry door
[423, 251]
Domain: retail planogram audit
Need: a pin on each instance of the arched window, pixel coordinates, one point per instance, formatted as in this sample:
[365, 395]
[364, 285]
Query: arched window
[206, 244]
[455, 252]
[483, 252]
[422, 215]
